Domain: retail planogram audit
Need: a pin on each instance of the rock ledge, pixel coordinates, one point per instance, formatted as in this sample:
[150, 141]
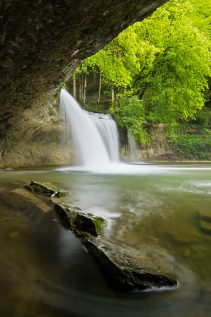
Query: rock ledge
[122, 270]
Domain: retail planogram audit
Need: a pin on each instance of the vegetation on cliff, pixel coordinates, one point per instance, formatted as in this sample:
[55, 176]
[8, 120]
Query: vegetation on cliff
[155, 71]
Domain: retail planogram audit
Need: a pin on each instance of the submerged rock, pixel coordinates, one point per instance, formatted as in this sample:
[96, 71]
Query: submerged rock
[79, 221]
[47, 189]
[205, 226]
[205, 221]
[127, 272]
[205, 215]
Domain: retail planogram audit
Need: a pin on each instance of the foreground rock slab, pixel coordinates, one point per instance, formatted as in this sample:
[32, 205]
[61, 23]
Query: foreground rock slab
[125, 272]
[79, 221]
[126, 269]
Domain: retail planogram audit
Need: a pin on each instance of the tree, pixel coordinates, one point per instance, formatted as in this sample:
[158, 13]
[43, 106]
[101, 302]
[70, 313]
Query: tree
[159, 68]
[172, 89]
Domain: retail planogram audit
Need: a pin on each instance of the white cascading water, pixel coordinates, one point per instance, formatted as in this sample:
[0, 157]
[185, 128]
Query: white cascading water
[96, 145]
[133, 151]
[96, 153]
[109, 134]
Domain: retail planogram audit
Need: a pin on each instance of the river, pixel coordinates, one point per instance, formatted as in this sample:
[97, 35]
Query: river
[46, 272]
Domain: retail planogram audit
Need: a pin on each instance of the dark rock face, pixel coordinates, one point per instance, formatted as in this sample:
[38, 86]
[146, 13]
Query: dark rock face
[41, 43]
[79, 221]
[42, 188]
[124, 272]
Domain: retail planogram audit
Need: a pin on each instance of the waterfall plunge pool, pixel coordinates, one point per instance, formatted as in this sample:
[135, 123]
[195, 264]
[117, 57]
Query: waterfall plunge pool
[46, 272]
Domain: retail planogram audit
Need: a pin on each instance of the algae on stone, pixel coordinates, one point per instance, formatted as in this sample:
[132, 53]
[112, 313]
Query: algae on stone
[47, 189]
[79, 221]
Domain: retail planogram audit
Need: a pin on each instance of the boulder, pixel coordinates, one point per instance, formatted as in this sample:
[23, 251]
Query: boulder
[47, 189]
[79, 221]
[127, 272]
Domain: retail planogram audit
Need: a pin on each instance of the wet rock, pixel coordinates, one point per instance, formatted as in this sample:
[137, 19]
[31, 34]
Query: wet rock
[20, 206]
[205, 215]
[41, 202]
[125, 268]
[79, 221]
[45, 188]
[128, 272]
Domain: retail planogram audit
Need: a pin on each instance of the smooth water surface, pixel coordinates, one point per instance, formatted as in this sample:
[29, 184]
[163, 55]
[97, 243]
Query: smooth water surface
[46, 272]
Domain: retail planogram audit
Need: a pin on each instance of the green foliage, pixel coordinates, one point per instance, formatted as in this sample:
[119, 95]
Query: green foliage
[173, 87]
[131, 115]
[57, 92]
[121, 59]
[193, 139]
[192, 146]
[202, 122]
[159, 67]
[94, 107]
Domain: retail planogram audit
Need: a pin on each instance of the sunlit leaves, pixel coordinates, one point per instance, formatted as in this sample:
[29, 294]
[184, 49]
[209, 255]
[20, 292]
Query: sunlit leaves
[173, 89]
[160, 66]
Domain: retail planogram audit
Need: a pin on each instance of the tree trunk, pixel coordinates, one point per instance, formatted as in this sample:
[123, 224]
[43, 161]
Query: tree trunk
[112, 96]
[74, 86]
[84, 90]
[99, 87]
[81, 88]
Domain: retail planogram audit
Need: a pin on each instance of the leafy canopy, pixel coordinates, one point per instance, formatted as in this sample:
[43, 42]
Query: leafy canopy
[159, 67]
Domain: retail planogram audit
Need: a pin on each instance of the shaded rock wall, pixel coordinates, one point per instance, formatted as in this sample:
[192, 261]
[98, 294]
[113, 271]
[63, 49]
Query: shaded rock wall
[41, 43]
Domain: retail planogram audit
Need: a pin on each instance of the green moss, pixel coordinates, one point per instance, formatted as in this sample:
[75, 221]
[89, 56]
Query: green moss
[61, 193]
[42, 188]
[78, 221]
[47, 189]
[99, 224]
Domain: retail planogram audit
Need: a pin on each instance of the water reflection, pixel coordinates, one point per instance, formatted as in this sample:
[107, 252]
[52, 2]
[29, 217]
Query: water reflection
[46, 272]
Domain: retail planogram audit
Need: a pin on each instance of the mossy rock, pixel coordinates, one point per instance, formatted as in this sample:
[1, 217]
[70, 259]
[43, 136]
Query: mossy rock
[46, 189]
[127, 273]
[79, 221]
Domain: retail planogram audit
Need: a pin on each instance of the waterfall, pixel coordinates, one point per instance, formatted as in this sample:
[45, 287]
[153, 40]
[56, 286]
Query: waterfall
[133, 151]
[95, 135]
[109, 134]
